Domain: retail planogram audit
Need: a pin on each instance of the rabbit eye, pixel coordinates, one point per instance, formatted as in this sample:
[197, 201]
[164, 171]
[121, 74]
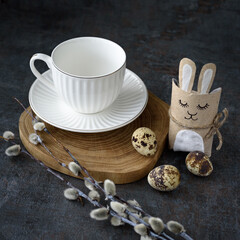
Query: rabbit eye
[202, 108]
[183, 104]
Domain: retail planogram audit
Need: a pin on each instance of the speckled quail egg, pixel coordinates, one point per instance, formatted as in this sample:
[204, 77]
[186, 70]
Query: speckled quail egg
[164, 178]
[144, 141]
[199, 164]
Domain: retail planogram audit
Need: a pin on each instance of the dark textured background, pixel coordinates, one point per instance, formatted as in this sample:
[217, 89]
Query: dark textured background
[155, 35]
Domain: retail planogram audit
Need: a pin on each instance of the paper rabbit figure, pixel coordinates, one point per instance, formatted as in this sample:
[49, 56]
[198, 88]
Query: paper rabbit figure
[194, 117]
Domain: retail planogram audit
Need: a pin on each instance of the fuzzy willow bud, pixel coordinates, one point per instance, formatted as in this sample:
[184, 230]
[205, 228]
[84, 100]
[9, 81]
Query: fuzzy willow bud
[118, 207]
[71, 194]
[38, 118]
[74, 168]
[123, 215]
[146, 219]
[99, 214]
[110, 187]
[115, 221]
[39, 126]
[88, 184]
[14, 150]
[33, 138]
[134, 203]
[175, 227]
[34, 121]
[94, 195]
[133, 219]
[8, 135]
[146, 238]
[140, 229]
[156, 224]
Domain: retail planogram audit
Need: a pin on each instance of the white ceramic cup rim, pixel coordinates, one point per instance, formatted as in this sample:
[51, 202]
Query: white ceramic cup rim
[88, 77]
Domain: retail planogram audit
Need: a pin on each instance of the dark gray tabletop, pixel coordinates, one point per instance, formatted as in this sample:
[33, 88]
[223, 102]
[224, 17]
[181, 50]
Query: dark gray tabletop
[155, 36]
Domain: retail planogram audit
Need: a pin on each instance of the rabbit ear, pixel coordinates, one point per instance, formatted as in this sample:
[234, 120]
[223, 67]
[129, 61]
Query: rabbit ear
[187, 69]
[206, 78]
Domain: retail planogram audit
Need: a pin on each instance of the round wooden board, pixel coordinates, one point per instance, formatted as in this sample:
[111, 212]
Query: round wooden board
[107, 155]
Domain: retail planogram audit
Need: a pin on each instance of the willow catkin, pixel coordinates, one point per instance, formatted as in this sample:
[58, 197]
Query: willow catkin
[99, 214]
[88, 184]
[123, 214]
[33, 138]
[115, 221]
[175, 227]
[156, 224]
[133, 219]
[71, 194]
[36, 119]
[14, 150]
[8, 135]
[39, 126]
[140, 229]
[146, 219]
[94, 195]
[110, 187]
[146, 238]
[74, 168]
[134, 203]
[118, 207]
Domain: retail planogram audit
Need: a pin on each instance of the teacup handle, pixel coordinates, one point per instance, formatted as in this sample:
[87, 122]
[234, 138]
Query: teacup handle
[48, 61]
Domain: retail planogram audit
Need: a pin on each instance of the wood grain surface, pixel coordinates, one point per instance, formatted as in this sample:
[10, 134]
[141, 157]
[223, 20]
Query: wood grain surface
[105, 155]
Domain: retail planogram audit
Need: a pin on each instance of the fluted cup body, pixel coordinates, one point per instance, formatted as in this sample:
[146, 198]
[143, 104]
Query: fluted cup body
[88, 95]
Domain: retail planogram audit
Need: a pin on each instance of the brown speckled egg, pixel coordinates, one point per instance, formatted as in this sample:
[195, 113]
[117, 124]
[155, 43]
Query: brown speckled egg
[199, 164]
[144, 141]
[164, 178]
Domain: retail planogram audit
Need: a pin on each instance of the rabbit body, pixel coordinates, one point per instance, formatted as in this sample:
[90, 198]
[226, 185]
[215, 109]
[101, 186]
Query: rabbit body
[193, 112]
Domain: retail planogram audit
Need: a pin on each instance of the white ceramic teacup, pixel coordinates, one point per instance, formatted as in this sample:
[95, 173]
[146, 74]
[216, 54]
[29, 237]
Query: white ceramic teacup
[87, 72]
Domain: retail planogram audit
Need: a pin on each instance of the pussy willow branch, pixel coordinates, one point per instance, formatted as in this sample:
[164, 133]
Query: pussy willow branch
[69, 184]
[96, 184]
[110, 197]
[151, 233]
[80, 193]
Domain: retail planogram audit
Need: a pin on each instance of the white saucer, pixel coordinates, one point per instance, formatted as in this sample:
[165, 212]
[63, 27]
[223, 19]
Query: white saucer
[128, 106]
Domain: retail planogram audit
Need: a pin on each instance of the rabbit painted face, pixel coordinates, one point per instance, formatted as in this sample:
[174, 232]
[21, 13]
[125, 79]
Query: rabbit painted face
[194, 108]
